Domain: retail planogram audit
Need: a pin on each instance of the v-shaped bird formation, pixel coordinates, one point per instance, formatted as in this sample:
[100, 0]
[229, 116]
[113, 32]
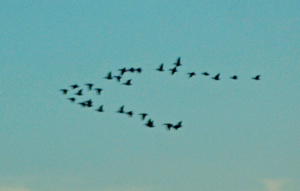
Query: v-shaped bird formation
[76, 91]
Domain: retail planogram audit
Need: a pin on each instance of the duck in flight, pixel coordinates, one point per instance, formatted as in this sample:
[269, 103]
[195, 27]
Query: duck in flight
[169, 126]
[191, 74]
[72, 99]
[150, 123]
[83, 104]
[256, 77]
[123, 70]
[205, 74]
[234, 77]
[178, 125]
[129, 113]
[216, 77]
[98, 90]
[131, 70]
[173, 70]
[89, 86]
[143, 115]
[74, 86]
[109, 76]
[121, 110]
[89, 103]
[100, 109]
[118, 78]
[178, 62]
[139, 70]
[64, 91]
[128, 83]
[161, 68]
[79, 93]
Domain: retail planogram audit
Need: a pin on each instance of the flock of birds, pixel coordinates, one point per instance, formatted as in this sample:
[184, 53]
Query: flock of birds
[149, 123]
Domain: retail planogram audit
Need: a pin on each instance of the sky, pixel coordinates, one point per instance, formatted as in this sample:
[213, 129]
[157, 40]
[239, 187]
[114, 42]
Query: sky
[236, 135]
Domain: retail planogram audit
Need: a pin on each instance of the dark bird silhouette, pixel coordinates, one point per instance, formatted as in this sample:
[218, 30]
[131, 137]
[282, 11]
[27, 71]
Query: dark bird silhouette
[139, 70]
[109, 77]
[128, 83]
[161, 68]
[256, 77]
[216, 77]
[123, 70]
[205, 74]
[173, 70]
[64, 91]
[79, 93]
[169, 126]
[121, 110]
[129, 113]
[191, 74]
[118, 78]
[100, 109]
[234, 77]
[83, 104]
[74, 86]
[89, 103]
[178, 125]
[89, 86]
[72, 99]
[131, 70]
[143, 115]
[98, 90]
[178, 62]
[150, 123]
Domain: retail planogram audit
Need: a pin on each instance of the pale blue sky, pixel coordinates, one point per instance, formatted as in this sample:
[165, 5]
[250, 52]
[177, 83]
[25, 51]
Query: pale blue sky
[237, 135]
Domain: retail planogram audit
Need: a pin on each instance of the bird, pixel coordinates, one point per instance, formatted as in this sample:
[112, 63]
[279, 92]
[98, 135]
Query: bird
[89, 86]
[143, 115]
[131, 70]
[161, 68]
[109, 77]
[216, 77]
[128, 83]
[118, 78]
[72, 99]
[256, 77]
[123, 70]
[74, 86]
[98, 90]
[89, 103]
[191, 74]
[83, 104]
[79, 93]
[121, 110]
[150, 123]
[129, 113]
[178, 125]
[205, 74]
[139, 70]
[169, 125]
[100, 109]
[64, 91]
[173, 70]
[178, 62]
[234, 77]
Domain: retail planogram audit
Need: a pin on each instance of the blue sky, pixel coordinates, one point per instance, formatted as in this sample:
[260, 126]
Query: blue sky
[238, 135]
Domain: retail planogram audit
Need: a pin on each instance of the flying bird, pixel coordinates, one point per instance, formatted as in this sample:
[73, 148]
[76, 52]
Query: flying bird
[131, 70]
[256, 77]
[150, 123]
[72, 99]
[109, 77]
[121, 110]
[98, 90]
[205, 74]
[178, 62]
[234, 77]
[143, 115]
[100, 109]
[118, 78]
[139, 70]
[123, 70]
[74, 86]
[178, 125]
[64, 91]
[128, 83]
[173, 70]
[191, 74]
[83, 104]
[79, 93]
[168, 125]
[161, 68]
[216, 77]
[89, 86]
[89, 103]
[130, 113]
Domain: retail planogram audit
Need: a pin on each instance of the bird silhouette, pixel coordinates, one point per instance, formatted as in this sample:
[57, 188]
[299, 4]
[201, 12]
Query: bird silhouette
[89, 103]
[72, 99]
[121, 110]
[79, 93]
[89, 86]
[139, 70]
[178, 125]
[143, 115]
[129, 113]
[128, 83]
[123, 70]
[131, 70]
[161, 68]
[74, 86]
[118, 78]
[83, 104]
[168, 125]
[256, 77]
[109, 77]
[178, 62]
[216, 77]
[173, 70]
[234, 77]
[150, 123]
[98, 90]
[191, 74]
[205, 74]
[100, 109]
[64, 91]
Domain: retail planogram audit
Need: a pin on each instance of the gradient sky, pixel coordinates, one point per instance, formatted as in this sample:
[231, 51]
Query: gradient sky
[238, 135]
